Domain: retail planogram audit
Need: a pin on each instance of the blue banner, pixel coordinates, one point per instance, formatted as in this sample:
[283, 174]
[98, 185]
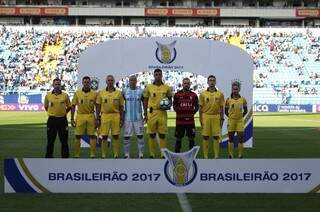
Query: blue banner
[281, 108]
[23, 98]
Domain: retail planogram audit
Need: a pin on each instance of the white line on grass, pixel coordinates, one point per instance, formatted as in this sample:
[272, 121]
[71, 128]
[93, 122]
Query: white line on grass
[287, 129]
[306, 120]
[184, 203]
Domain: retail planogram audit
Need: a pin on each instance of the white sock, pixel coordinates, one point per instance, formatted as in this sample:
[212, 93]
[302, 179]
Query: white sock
[126, 146]
[141, 146]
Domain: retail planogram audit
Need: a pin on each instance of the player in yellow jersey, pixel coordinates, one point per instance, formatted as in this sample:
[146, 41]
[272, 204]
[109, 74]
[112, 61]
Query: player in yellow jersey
[211, 103]
[57, 105]
[155, 117]
[84, 100]
[235, 109]
[110, 104]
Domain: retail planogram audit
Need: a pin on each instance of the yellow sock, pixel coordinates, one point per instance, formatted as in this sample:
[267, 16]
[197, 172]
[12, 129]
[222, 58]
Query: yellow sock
[115, 147]
[216, 147]
[152, 145]
[230, 149]
[205, 147]
[241, 148]
[77, 148]
[163, 144]
[93, 144]
[104, 148]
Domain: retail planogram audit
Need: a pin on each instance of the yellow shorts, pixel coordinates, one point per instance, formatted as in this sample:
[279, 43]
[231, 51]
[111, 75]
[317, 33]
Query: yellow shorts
[235, 125]
[211, 125]
[85, 123]
[110, 121]
[157, 122]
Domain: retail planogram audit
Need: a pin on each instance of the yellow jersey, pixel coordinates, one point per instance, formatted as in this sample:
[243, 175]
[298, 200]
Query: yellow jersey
[235, 107]
[110, 101]
[57, 104]
[155, 93]
[84, 101]
[211, 102]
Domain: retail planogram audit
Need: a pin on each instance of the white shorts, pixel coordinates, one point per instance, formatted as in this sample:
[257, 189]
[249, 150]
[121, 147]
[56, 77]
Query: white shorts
[133, 127]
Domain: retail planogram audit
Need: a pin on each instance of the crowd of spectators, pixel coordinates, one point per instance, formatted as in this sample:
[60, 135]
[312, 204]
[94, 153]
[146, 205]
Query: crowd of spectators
[284, 59]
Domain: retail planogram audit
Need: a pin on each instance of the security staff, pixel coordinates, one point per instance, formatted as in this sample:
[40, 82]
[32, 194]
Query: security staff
[57, 104]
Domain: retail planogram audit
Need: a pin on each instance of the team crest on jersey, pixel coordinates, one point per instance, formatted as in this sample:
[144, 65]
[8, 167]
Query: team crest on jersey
[181, 169]
[94, 83]
[166, 53]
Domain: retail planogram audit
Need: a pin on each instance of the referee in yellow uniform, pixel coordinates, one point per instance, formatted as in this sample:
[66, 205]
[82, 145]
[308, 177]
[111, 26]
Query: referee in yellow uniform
[84, 99]
[211, 103]
[235, 109]
[155, 117]
[57, 104]
[109, 111]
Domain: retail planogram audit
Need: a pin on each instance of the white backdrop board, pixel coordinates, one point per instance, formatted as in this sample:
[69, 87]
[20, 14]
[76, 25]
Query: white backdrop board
[124, 57]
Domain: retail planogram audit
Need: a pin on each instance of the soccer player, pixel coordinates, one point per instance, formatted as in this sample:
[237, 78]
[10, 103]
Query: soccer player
[211, 116]
[235, 109]
[110, 116]
[84, 100]
[133, 121]
[185, 103]
[155, 117]
[57, 105]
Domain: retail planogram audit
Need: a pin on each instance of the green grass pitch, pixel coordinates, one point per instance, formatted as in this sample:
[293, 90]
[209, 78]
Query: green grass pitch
[276, 135]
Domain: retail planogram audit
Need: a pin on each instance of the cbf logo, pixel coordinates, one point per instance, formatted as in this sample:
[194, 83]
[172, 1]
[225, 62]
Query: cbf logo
[94, 83]
[181, 169]
[166, 53]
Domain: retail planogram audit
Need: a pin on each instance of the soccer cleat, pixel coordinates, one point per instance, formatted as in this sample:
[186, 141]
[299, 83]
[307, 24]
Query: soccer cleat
[240, 157]
[151, 156]
[230, 157]
[162, 157]
[140, 156]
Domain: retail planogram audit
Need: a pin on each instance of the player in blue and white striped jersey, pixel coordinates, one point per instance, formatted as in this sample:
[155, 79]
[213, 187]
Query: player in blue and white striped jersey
[133, 120]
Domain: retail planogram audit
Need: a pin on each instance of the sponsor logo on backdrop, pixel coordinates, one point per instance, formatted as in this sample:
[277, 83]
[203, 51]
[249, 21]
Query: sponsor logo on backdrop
[260, 108]
[94, 83]
[181, 169]
[281, 108]
[166, 53]
[21, 107]
[23, 99]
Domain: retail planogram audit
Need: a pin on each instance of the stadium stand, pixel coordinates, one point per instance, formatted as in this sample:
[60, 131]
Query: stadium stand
[286, 60]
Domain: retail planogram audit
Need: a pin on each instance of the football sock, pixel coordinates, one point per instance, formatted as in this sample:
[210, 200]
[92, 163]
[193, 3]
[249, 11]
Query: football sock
[77, 148]
[177, 146]
[116, 147]
[93, 143]
[230, 149]
[241, 148]
[141, 146]
[104, 148]
[205, 146]
[152, 145]
[126, 146]
[163, 144]
[216, 147]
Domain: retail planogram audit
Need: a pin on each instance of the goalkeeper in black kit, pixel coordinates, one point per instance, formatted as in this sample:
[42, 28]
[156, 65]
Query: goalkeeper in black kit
[186, 104]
